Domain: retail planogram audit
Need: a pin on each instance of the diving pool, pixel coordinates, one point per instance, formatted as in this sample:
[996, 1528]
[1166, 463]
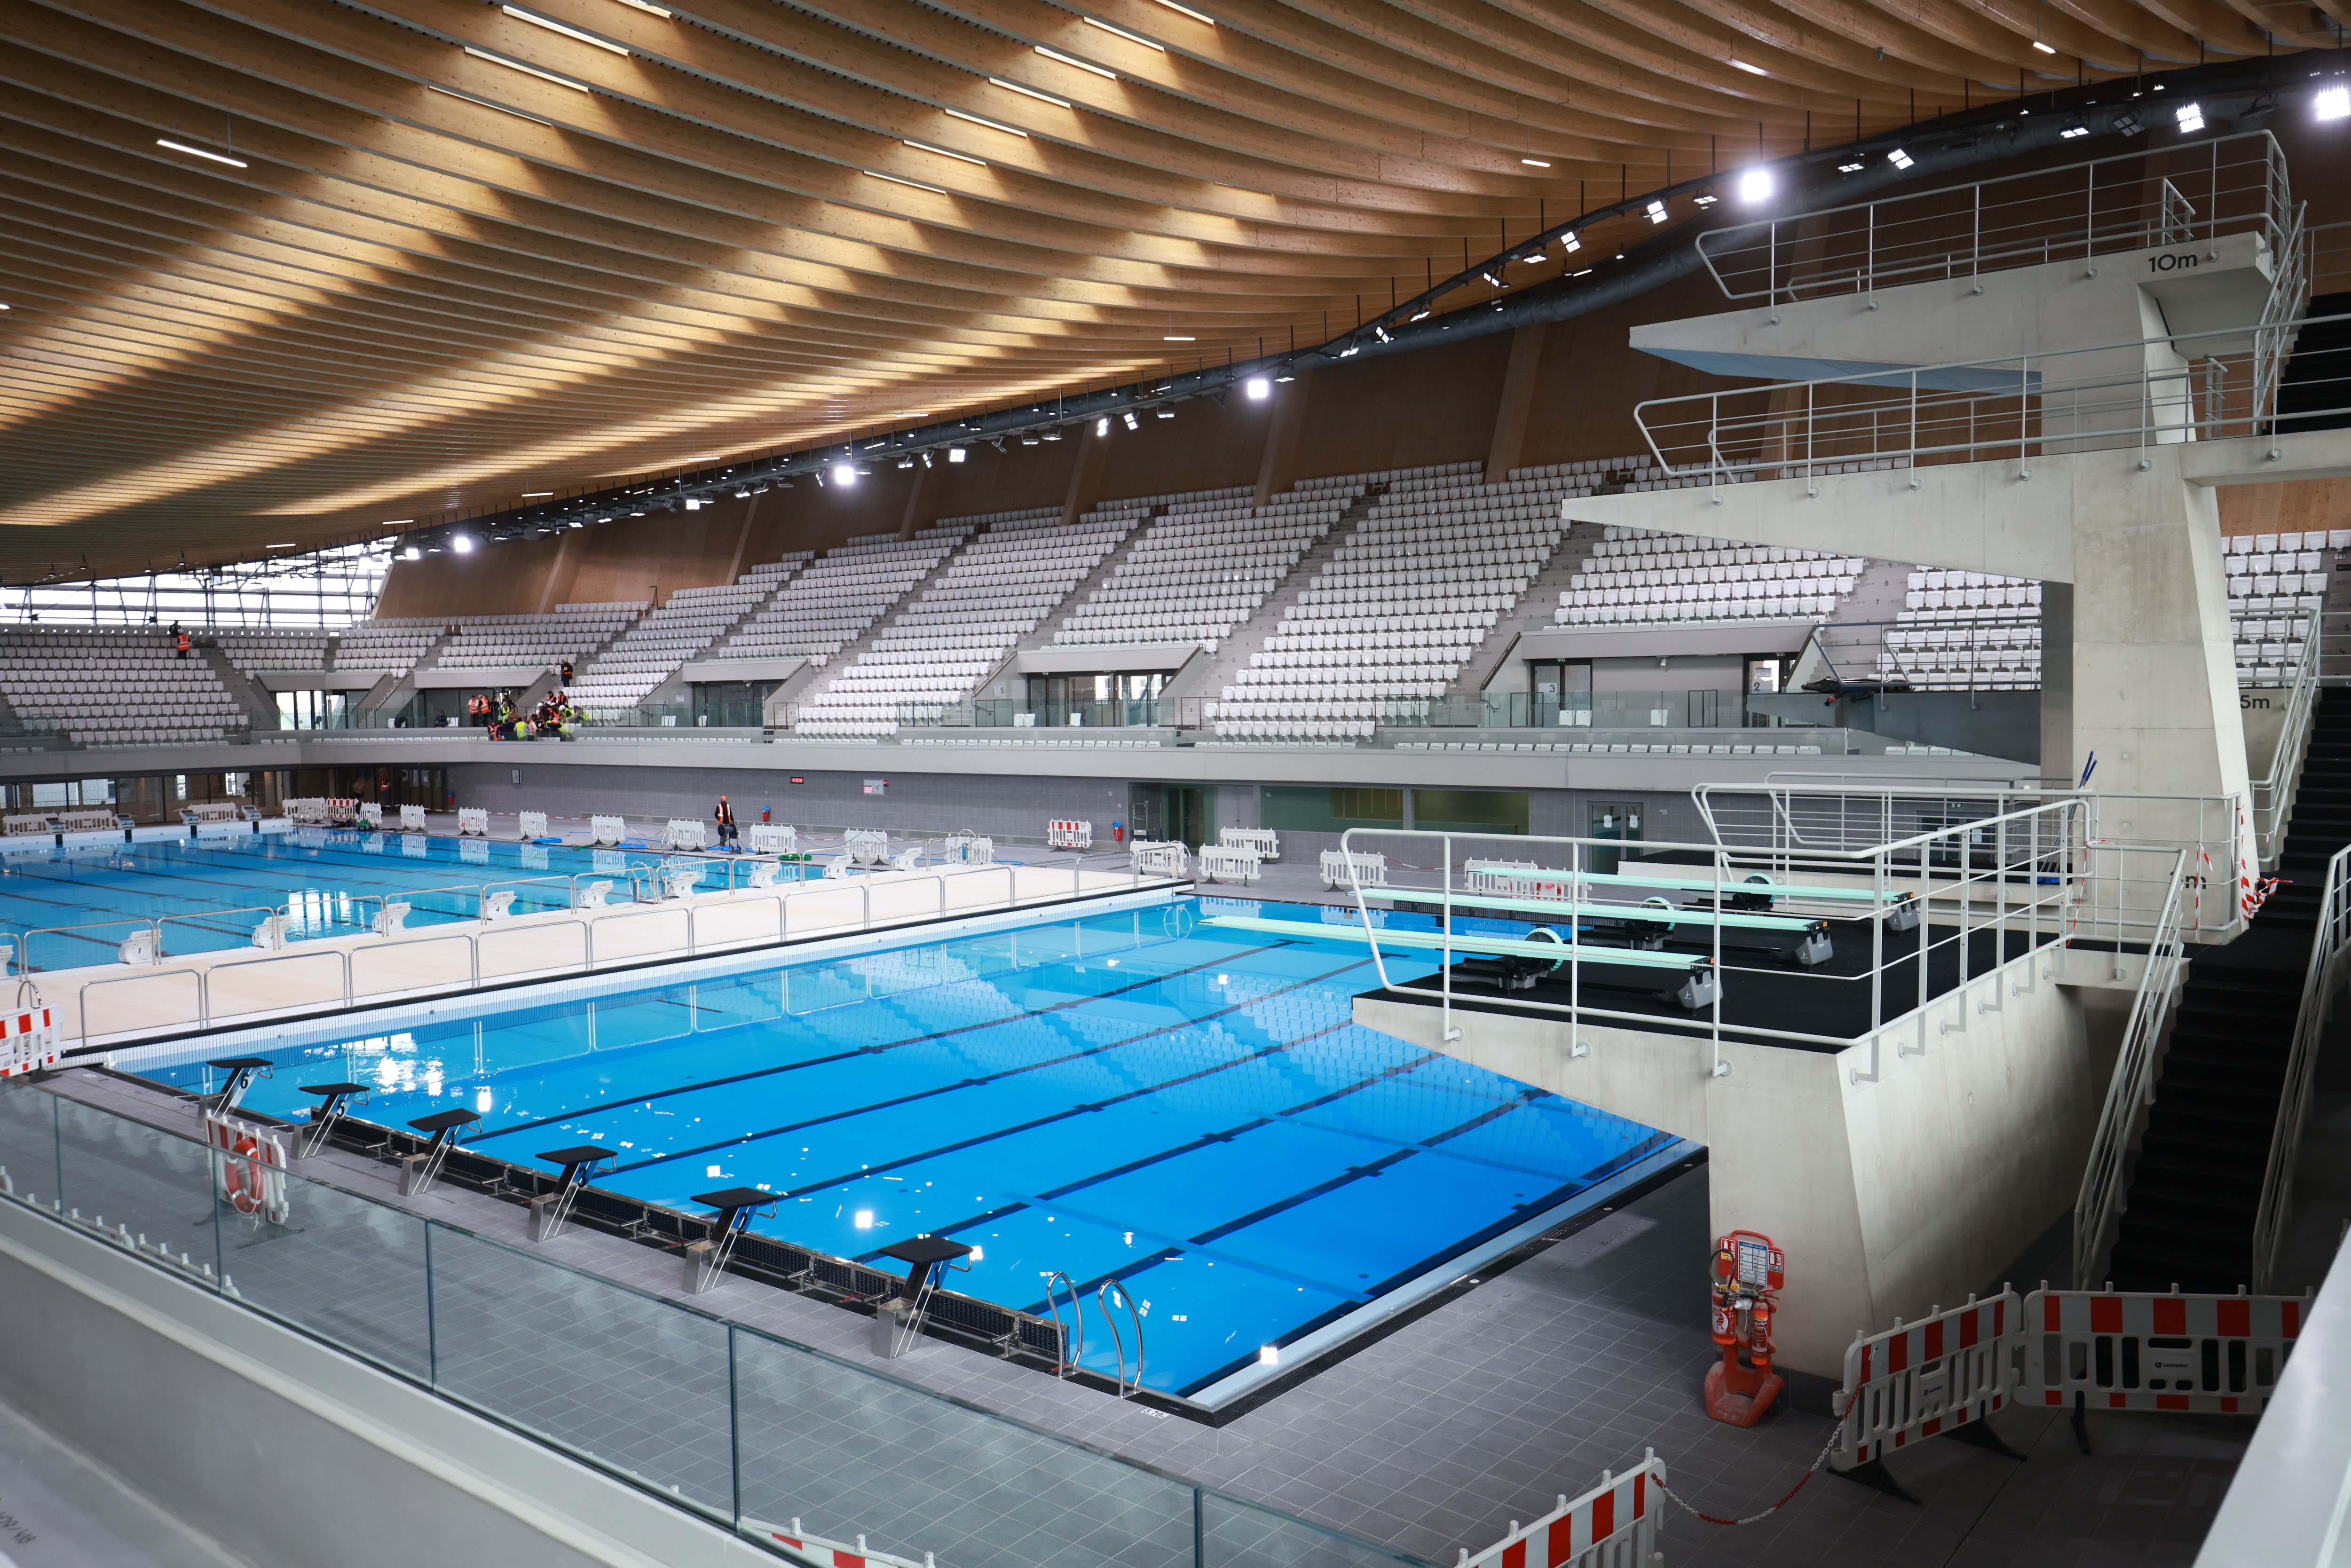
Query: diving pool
[1124, 1096]
[74, 905]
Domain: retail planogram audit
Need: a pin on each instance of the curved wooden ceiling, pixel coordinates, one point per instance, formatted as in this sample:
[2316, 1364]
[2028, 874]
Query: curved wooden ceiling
[469, 252]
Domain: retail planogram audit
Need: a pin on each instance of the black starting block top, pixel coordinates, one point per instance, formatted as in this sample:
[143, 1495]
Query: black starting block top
[443, 1123]
[579, 1155]
[241, 1064]
[733, 1201]
[923, 1254]
[334, 1091]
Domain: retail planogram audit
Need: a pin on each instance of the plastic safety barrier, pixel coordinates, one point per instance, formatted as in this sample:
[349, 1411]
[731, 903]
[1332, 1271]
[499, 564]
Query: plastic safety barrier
[28, 1035]
[530, 825]
[472, 822]
[607, 830]
[1224, 862]
[839, 1554]
[412, 819]
[252, 1166]
[970, 849]
[370, 813]
[1346, 868]
[28, 826]
[1615, 1522]
[686, 833]
[772, 839]
[1489, 876]
[1068, 833]
[1264, 843]
[2120, 1349]
[1160, 857]
[1915, 1380]
[866, 846]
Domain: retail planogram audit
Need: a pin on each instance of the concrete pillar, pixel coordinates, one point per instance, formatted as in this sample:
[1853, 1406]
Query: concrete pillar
[2057, 759]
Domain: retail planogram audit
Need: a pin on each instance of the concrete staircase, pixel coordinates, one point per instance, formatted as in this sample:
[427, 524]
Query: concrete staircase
[259, 702]
[1535, 605]
[1232, 655]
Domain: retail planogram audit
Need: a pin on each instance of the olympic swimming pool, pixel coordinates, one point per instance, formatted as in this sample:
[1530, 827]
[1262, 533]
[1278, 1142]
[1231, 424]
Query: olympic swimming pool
[74, 905]
[1130, 1097]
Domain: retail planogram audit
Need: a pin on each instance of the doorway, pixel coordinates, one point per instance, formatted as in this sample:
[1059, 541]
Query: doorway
[1615, 819]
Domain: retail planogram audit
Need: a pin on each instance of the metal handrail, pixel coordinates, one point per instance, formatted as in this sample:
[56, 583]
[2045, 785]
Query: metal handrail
[2131, 1088]
[2033, 242]
[2328, 946]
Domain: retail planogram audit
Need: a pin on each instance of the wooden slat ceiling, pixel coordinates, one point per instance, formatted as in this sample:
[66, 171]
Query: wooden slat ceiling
[470, 252]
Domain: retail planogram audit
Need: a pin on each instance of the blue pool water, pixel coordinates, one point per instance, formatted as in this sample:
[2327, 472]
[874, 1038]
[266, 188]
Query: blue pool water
[1127, 1096]
[212, 893]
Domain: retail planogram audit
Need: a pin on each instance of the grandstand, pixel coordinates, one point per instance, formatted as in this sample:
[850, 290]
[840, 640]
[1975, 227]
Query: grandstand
[113, 688]
[650, 651]
[574, 632]
[835, 601]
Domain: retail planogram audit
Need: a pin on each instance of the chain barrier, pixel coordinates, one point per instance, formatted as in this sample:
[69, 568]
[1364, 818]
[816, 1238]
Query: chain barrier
[1786, 1497]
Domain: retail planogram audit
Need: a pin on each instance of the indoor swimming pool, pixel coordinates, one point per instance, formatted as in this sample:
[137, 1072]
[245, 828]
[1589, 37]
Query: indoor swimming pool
[1132, 1097]
[76, 905]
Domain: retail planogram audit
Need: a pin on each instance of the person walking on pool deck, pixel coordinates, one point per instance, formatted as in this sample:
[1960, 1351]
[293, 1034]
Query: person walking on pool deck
[725, 818]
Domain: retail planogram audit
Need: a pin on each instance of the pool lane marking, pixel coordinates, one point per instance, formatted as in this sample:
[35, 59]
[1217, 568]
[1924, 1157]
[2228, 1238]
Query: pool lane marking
[1140, 983]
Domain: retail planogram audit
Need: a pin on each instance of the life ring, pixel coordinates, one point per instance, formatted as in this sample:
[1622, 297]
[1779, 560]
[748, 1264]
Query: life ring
[241, 1173]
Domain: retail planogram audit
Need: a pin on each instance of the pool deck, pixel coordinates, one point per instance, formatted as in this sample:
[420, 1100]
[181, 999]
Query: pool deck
[114, 1004]
[1435, 1437]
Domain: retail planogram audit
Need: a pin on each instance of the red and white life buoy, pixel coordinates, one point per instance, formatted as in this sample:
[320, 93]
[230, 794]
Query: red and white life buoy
[242, 1175]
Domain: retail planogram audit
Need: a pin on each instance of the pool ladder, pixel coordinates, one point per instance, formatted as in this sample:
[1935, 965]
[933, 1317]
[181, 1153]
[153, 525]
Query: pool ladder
[1074, 1333]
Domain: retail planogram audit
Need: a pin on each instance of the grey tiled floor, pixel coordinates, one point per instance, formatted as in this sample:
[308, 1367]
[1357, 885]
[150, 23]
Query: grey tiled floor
[1429, 1440]
[60, 1508]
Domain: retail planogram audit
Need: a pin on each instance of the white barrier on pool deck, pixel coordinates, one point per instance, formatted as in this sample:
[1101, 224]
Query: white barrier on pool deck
[1160, 857]
[970, 849]
[529, 825]
[688, 833]
[1263, 842]
[1620, 1514]
[412, 819]
[1224, 862]
[1349, 868]
[866, 846]
[472, 822]
[607, 830]
[1068, 833]
[772, 839]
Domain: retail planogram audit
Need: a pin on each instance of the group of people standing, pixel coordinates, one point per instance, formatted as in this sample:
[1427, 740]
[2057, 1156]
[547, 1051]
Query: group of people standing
[548, 717]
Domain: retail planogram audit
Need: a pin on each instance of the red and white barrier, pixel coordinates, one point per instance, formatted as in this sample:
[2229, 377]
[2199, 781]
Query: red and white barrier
[28, 1036]
[252, 1166]
[2123, 1350]
[1613, 1523]
[837, 1554]
[1069, 835]
[1915, 1380]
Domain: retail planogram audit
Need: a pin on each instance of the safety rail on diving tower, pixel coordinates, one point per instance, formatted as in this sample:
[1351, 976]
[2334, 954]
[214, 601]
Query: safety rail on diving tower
[2135, 200]
[2098, 1207]
[2330, 946]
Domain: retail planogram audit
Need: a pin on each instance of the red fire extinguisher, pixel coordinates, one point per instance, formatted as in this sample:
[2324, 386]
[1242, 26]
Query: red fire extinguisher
[1118, 832]
[1748, 1275]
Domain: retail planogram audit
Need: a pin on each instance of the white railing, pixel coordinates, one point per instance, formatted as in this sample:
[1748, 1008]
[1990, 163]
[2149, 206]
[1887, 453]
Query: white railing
[1983, 896]
[2131, 1088]
[369, 970]
[2134, 201]
[2118, 860]
[2328, 948]
[2138, 393]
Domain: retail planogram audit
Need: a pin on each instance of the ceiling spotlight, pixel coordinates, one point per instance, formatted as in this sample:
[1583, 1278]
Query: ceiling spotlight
[1132, 423]
[1028, 441]
[1900, 159]
[955, 454]
[1756, 185]
[744, 495]
[1053, 435]
[1656, 211]
[1381, 333]
[1258, 389]
[1102, 426]
[1172, 337]
[1706, 201]
[2045, 48]
[1287, 375]
[2128, 124]
[1351, 350]
[1570, 241]
[693, 504]
[1163, 412]
[2190, 117]
[906, 462]
[1534, 163]
[412, 553]
[844, 474]
[2071, 132]
[926, 459]
[2332, 103]
[461, 544]
[1488, 274]
[1535, 255]
[1851, 168]
[1419, 315]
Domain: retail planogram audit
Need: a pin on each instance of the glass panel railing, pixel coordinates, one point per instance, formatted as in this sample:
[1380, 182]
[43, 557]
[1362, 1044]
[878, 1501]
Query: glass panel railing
[734, 1425]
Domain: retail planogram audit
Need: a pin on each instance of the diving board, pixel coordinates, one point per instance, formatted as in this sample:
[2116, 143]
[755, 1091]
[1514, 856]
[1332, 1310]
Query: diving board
[1663, 914]
[1556, 952]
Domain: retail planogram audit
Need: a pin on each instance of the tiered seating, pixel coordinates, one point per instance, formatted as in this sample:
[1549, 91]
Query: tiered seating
[1966, 631]
[833, 602]
[949, 640]
[114, 688]
[387, 644]
[1640, 577]
[251, 650]
[2271, 578]
[1203, 568]
[1404, 603]
[573, 631]
[648, 651]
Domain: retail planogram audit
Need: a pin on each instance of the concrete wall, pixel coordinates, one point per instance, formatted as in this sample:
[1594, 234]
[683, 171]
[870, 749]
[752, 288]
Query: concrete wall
[289, 1454]
[1900, 1191]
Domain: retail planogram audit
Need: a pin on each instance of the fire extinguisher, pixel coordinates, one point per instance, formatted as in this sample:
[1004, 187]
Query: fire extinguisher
[763, 813]
[1118, 832]
[1746, 1276]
